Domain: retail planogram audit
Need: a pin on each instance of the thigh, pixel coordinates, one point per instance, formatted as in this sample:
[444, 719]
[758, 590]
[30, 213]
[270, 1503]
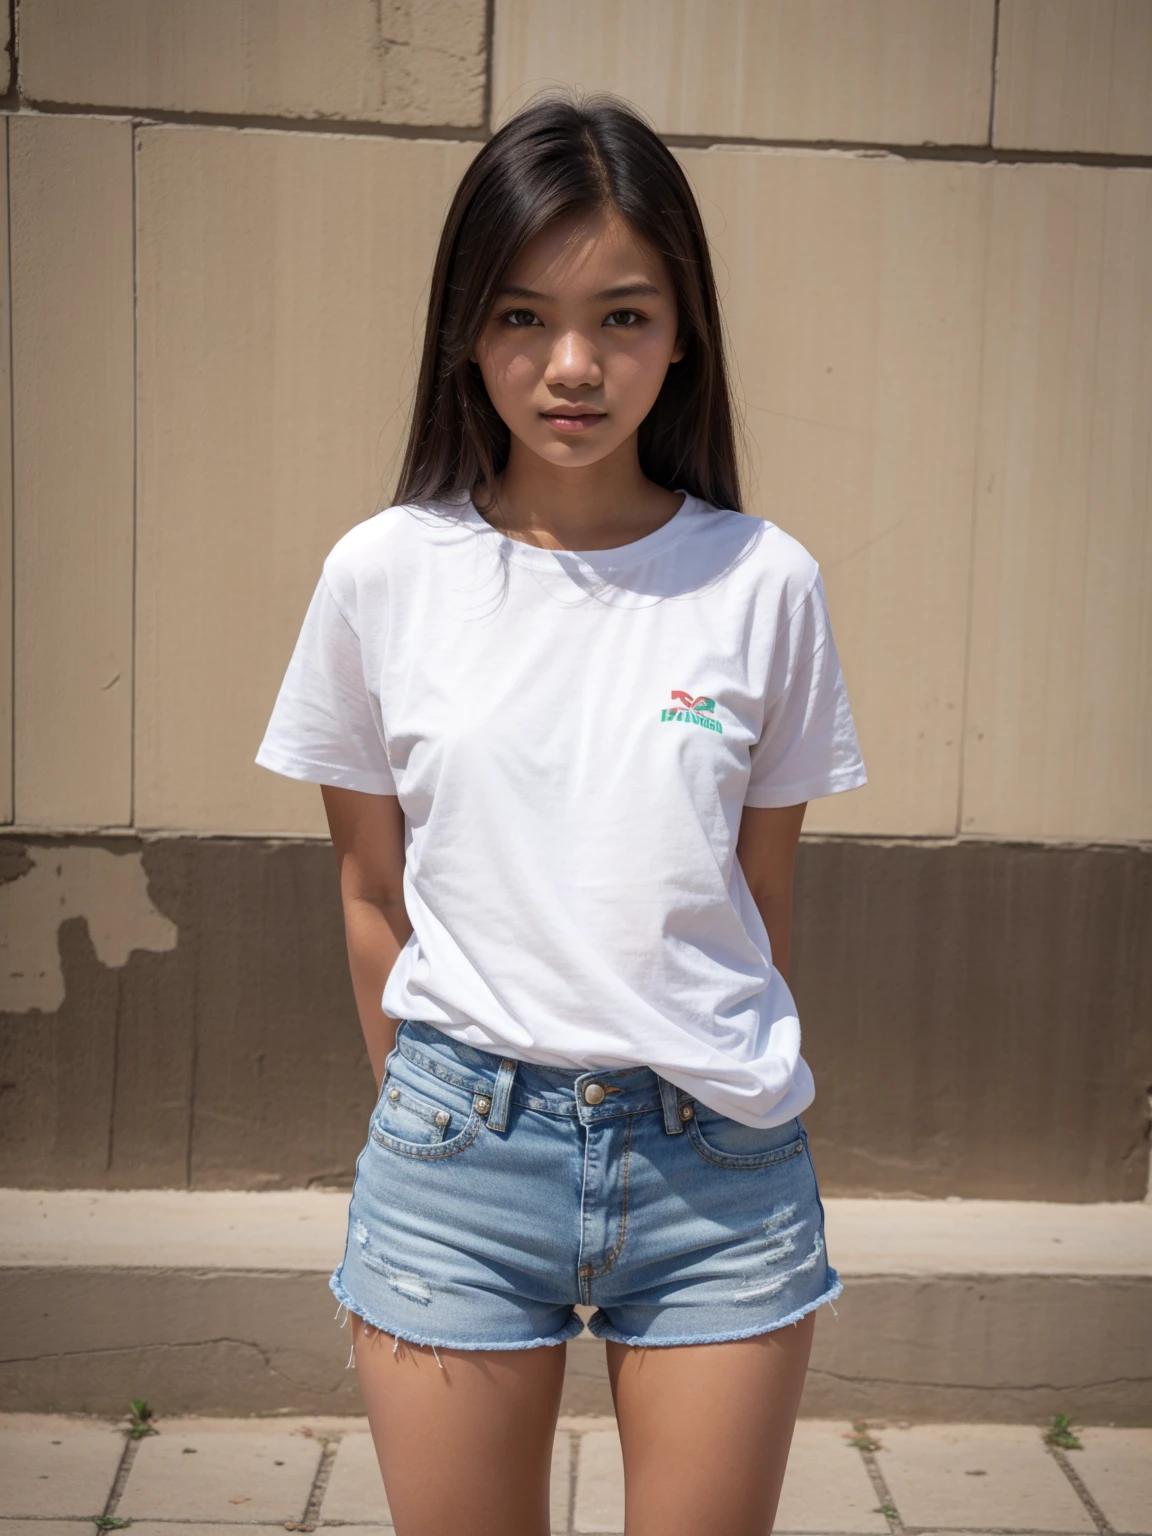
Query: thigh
[464, 1444]
[706, 1429]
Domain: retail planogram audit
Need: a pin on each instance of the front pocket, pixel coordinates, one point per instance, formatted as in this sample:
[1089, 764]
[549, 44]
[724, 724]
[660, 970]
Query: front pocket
[726, 1142]
[434, 1121]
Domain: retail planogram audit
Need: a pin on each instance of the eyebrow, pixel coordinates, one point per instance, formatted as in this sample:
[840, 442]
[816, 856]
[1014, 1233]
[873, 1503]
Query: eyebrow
[622, 291]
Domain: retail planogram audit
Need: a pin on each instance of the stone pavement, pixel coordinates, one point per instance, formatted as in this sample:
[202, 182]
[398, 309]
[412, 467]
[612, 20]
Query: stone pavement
[62, 1475]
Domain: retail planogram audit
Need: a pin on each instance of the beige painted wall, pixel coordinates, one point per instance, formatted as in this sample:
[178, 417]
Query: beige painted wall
[372, 61]
[278, 337]
[870, 71]
[853, 292]
[70, 205]
[944, 362]
[1075, 74]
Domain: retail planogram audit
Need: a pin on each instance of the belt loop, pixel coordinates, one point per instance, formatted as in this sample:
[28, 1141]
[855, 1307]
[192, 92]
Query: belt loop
[497, 1116]
[672, 1121]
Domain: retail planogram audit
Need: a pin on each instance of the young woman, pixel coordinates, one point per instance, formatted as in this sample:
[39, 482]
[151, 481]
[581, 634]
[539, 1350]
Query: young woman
[567, 704]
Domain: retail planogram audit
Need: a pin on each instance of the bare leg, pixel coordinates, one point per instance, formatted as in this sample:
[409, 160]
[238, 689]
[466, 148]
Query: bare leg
[466, 1448]
[706, 1429]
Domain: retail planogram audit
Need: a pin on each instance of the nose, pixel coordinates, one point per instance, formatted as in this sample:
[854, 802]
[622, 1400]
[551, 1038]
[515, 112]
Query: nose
[573, 361]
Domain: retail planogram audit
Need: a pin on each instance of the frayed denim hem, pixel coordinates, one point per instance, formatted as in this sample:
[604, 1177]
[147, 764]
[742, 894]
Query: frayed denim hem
[571, 1329]
[606, 1331]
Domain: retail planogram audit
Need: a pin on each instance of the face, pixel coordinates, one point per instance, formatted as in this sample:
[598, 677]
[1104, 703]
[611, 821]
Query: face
[580, 337]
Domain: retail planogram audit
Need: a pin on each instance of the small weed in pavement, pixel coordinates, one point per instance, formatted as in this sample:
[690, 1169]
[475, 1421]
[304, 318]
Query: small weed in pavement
[1061, 1436]
[110, 1523]
[887, 1510]
[862, 1439]
[141, 1423]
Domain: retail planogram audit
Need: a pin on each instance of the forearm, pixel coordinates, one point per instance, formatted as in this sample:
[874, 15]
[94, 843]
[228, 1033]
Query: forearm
[376, 932]
[777, 914]
[766, 849]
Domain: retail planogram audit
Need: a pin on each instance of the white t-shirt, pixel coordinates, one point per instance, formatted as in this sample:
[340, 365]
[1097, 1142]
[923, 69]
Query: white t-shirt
[573, 737]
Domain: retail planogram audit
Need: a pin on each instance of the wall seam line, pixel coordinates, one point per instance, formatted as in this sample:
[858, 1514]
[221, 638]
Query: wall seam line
[319, 127]
[958, 153]
[995, 69]
[489, 69]
[88, 836]
[14, 48]
[12, 458]
[135, 481]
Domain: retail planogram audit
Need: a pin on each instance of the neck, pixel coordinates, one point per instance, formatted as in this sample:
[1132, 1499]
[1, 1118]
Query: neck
[595, 506]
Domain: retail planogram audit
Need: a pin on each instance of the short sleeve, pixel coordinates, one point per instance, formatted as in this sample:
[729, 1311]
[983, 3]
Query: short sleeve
[325, 726]
[808, 746]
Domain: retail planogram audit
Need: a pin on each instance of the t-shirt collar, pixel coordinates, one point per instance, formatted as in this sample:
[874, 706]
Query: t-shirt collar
[595, 559]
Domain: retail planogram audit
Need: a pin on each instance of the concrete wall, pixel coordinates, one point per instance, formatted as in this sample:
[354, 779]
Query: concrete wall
[931, 227]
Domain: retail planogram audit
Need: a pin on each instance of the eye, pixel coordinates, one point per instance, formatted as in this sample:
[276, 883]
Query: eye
[508, 314]
[635, 313]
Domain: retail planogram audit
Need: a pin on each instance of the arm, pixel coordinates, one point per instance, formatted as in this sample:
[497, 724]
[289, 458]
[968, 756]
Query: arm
[368, 839]
[766, 849]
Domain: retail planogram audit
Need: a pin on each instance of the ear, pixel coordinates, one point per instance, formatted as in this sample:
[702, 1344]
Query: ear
[679, 350]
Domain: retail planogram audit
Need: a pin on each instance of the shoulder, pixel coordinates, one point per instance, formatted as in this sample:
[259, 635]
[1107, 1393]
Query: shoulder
[780, 569]
[384, 547]
[368, 542]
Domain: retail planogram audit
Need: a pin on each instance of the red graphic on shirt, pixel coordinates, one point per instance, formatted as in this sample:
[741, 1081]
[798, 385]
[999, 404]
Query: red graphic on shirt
[693, 701]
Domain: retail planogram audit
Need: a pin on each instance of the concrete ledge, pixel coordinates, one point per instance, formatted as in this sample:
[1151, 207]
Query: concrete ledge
[217, 1302]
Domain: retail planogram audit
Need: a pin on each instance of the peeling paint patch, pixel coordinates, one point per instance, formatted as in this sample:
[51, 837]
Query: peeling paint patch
[108, 890]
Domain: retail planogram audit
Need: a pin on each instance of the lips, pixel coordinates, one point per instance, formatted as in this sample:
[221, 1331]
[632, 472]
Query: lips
[573, 421]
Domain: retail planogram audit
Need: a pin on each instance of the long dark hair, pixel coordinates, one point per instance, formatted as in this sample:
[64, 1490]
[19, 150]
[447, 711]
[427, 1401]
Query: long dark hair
[559, 156]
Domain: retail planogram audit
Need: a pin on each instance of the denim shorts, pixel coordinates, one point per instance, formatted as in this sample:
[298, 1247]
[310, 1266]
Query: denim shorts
[494, 1195]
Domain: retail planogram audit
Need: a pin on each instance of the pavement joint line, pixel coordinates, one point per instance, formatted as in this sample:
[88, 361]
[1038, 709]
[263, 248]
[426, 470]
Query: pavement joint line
[887, 1503]
[123, 1471]
[574, 1439]
[1078, 1487]
[329, 1449]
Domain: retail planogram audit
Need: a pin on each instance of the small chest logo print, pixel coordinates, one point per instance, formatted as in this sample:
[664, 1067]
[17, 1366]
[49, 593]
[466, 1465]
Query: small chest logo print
[694, 709]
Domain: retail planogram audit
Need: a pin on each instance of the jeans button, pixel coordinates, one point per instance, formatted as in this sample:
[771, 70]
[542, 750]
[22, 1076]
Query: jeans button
[686, 1111]
[594, 1093]
[483, 1104]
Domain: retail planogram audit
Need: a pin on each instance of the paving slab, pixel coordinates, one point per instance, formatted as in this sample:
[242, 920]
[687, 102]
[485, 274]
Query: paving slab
[826, 1487]
[1115, 1466]
[54, 1528]
[560, 1482]
[55, 1465]
[355, 1488]
[599, 1483]
[978, 1475]
[235, 1470]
